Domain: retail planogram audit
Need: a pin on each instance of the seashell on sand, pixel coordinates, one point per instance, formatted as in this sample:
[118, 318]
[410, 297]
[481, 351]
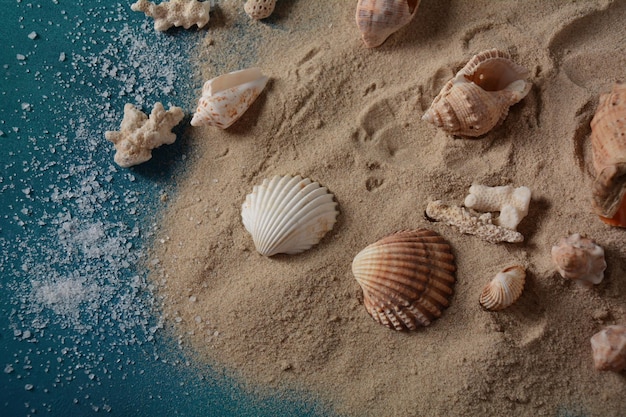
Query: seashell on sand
[609, 348]
[227, 97]
[479, 96]
[259, 9]
[608, 144]
[288, 214]
[580, 259]
[406, 277]
[504, 289]
[378, 19]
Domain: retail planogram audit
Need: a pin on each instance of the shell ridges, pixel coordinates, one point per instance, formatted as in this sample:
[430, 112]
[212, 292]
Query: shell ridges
[406, 278]
[288, 214]
[504, 289]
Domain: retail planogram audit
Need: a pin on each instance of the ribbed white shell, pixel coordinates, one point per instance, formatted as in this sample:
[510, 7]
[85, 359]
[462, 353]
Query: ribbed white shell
[227, 97]
[504, 289]
[288, 214]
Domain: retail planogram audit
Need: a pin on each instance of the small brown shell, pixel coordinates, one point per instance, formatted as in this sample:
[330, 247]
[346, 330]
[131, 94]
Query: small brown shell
[580, 259]
[406, 277]
[609, 348]
[504, 289]
[608, 144]
[479, 96]
[378, 19]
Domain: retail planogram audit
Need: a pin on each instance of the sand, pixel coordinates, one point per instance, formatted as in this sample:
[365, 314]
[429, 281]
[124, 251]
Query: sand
[350, 118]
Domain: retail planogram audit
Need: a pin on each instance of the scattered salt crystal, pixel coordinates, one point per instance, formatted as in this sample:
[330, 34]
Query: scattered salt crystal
[1, 133]
[26, 106]
[20, 57]
[193, 299]
[62, 57]
[8, 369]
[27, 334]
[32, 35]
[29, 387]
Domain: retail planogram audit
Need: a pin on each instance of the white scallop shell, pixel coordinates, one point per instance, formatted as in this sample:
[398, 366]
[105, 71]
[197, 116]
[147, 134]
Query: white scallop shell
[288, 214]
[227, 97]
[504, 289]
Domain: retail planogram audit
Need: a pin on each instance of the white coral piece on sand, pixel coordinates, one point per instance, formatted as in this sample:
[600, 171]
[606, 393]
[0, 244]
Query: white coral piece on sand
[512, 203]
[138, 134]
[185, 13]
[480, 226]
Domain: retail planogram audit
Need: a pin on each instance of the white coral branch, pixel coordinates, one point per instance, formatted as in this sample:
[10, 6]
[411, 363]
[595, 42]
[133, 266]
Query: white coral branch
[512, 203]
[185, 13]
[138, 134]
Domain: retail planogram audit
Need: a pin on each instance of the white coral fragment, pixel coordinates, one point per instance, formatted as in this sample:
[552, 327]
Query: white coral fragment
[185, 13]
[512, 203]
[468, 223]
[139, 134]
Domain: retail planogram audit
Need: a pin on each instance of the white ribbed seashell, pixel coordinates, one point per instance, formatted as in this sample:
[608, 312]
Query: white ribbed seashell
[259, 9]
[479, 96]
[378, 19]
[504, 289]
[407, 278]
[288, 214]
[227, 97]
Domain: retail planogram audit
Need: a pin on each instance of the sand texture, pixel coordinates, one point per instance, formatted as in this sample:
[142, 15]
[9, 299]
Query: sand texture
[350, 118]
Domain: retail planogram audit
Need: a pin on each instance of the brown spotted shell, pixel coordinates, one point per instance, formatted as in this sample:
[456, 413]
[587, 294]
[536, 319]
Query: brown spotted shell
[378, 19]
[406, 277]
[479, 96]
[609, 348]
[504, 289]
[608, 144]
[259, 9]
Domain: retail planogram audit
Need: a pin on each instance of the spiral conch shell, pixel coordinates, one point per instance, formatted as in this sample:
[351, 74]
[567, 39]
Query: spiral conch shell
[378, 19]
[288, 214]
[504, 289]
[580, 259]
[479, 96]
[227, 97]
[609, 349]
[406, 277]
[608, 144]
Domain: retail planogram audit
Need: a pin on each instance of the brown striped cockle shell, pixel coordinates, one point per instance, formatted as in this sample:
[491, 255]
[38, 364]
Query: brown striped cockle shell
[406, 277]
[504, 289]
[609, 348]
[608, 144]
[378, 19]
[479, 96]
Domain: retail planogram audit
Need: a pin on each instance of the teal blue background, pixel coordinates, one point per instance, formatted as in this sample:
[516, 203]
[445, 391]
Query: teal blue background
[71, 219]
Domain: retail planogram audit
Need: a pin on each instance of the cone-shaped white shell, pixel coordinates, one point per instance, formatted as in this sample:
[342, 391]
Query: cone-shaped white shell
[288, 214]
[378, 19]
[227, 97]
[504, 289]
